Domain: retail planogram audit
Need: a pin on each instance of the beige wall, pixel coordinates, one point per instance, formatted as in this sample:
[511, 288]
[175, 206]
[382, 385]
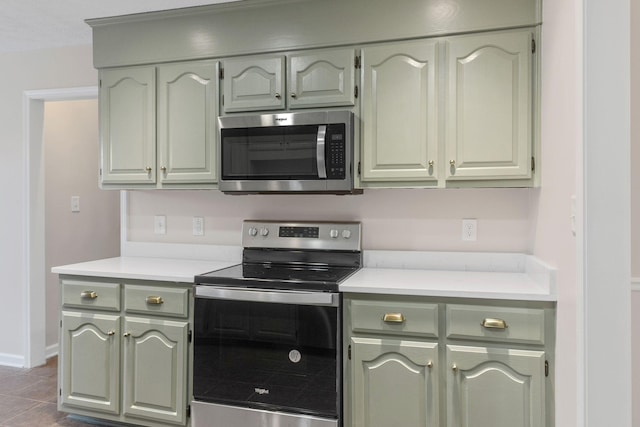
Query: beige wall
[392, 219]
[635, 206]
[44, 69]
[70, 138]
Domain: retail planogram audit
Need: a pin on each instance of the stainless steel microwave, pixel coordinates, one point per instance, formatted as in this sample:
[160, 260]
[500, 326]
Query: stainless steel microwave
[308, 152]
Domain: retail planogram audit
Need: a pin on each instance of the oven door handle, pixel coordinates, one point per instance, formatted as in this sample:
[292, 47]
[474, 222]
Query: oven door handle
[267, 295]
[320, 157]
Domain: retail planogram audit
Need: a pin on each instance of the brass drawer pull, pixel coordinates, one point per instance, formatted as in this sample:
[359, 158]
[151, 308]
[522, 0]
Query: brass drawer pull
[88, 295]
[494, 324]
[393, 318]
[154, 300]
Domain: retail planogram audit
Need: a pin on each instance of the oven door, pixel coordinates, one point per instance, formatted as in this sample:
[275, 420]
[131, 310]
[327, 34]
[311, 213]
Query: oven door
[269, 352]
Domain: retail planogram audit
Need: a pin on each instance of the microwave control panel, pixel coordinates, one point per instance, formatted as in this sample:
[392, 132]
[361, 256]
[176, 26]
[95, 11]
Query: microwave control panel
[336, 151]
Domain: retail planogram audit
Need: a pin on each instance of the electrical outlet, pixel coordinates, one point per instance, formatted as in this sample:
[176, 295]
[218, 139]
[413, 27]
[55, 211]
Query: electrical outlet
[75, 203]
[160, 224]
[198, 226]
[469, 230]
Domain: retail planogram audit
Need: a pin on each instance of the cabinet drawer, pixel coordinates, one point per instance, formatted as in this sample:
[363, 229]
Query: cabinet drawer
[91, 295]
[500, 324]
[156, 300]
[401, 318]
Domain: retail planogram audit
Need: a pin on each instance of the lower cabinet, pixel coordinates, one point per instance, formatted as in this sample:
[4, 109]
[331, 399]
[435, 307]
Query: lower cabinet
[118, 367]
[418, 361]
[394, 383]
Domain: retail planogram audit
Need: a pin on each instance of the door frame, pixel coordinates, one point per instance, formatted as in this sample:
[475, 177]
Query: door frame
[35, 352]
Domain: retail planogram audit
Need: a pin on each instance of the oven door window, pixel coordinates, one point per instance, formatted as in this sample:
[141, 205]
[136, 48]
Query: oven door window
[269, 356]
[278, 152]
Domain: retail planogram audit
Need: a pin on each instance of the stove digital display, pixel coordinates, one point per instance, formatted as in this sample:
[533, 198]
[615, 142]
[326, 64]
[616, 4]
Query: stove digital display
[303, 232]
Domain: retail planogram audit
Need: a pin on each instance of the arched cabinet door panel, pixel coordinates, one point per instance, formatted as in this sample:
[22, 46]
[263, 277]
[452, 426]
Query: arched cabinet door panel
[187, 113]
[495, 387]
[490, 106]
[395, 383]
[399, 140]
[128, 125]
[253, 83]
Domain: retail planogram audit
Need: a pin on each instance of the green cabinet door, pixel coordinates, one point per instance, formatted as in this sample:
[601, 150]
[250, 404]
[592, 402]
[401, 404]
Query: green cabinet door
[187, 112]
[495, 387]
[490, 104]
[155, 369]
[394, 383]
[90, 362]
[321, 79]
[128, 125]
[399, 118]
[254, 83]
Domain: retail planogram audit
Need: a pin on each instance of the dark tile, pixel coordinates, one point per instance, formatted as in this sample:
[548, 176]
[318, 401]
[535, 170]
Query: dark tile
[11, 406]
[13, 384]
[42, 389]
[45, 414]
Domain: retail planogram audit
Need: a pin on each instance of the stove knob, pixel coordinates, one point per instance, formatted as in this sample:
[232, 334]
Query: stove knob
[333, 233]
[264, 232]
[346, 234]
[253, 231]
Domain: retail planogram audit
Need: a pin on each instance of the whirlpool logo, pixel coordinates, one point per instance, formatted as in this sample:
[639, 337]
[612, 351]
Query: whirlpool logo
[261, 390]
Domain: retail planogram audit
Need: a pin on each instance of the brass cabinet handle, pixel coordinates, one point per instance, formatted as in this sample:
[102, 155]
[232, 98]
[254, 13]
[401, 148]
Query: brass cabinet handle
[452, 163]
[163, 169]
[454, 367]
[148, 169]
[393, 318]
[278, 95]
[154, 300]
[293, 95]
[490, 323]
[430, 364]
[431, 163]
[126, 334]
[88, 295]
[111, 333]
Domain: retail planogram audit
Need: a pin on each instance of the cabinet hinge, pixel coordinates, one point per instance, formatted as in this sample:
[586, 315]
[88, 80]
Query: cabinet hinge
[546, 368]
[190, 336]
[221, 73]
[188, 411]
[100, 83]
[349, 352]
[61, 323]
[355, 91]
[359, 169]
[533, 164]
[533, 45]
[357, 62]
[60, 392]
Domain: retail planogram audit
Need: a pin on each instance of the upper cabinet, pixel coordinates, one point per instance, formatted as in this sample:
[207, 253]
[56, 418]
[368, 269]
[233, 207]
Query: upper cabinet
[311, 79]
[158, 125]
[399, 117]
[452, 111]
[490, 103]
[128, 125]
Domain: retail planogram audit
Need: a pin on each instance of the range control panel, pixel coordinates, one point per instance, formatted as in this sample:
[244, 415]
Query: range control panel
[302, 235]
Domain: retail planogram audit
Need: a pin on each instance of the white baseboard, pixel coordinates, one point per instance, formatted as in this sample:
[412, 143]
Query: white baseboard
[635, 284]
[51, 351]
[13, 360]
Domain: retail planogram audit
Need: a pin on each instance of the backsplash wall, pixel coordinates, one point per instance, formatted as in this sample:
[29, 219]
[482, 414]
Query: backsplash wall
[398, 219]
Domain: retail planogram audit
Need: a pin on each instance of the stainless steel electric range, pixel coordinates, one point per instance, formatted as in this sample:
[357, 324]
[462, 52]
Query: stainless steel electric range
[267, 346]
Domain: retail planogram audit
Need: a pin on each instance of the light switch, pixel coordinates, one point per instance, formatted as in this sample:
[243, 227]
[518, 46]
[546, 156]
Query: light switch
[160, 224]
[75, 203]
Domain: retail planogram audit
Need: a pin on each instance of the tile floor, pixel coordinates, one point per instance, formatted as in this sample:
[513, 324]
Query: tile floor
[28, 397]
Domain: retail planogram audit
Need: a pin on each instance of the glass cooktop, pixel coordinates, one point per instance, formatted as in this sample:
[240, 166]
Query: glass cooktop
[279, 276]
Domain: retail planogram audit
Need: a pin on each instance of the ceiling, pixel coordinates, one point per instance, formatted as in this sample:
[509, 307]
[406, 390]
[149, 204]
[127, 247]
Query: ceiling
[37, 24]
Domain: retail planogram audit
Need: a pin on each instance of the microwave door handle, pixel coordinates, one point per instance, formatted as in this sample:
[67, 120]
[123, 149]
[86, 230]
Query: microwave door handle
[320, 158]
